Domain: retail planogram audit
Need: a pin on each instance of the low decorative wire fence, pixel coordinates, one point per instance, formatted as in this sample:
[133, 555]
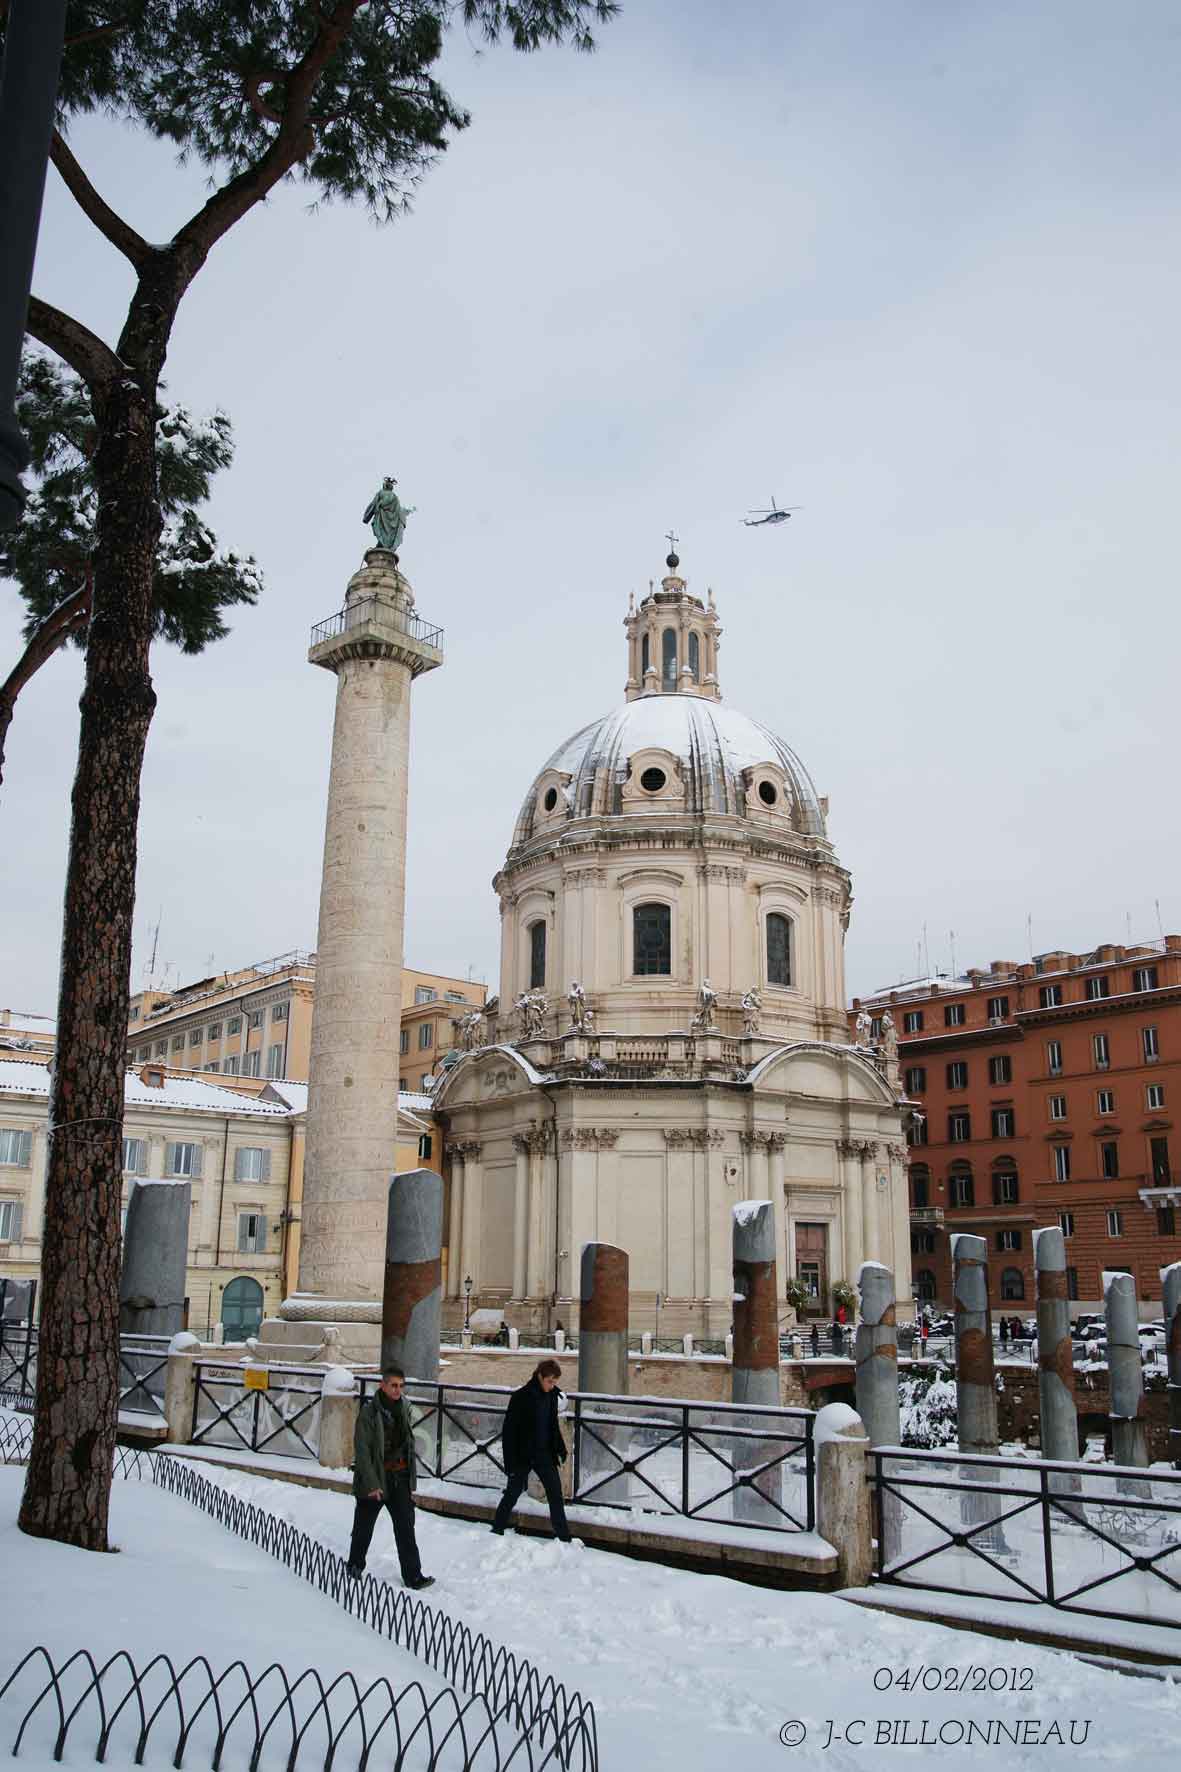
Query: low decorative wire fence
[1093, 1539]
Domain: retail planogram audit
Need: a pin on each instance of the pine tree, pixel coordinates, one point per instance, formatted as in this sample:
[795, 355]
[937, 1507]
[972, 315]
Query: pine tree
[50, 554]
[338, 94]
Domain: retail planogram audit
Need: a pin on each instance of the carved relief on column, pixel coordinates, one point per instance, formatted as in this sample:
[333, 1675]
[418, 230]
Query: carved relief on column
[589, 1138]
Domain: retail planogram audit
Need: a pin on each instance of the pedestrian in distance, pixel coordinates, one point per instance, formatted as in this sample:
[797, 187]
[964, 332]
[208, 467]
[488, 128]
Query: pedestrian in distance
[532, 1440]
[1004, 1335]
[814, 1342]
[384, 1475]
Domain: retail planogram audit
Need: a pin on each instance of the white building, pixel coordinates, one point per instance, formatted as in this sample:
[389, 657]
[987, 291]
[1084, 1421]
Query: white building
[671, 858]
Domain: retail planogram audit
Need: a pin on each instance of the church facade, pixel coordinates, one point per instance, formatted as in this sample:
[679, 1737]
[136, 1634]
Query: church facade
[670, 1036]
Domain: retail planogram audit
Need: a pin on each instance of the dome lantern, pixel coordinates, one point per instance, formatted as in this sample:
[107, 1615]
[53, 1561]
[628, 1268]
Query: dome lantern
[672, 639]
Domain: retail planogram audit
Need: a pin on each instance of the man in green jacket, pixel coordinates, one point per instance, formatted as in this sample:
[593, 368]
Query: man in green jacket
[384, 1475]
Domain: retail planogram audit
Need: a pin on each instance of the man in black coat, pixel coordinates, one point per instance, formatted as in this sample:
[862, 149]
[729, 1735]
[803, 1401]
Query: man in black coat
[532, 1440]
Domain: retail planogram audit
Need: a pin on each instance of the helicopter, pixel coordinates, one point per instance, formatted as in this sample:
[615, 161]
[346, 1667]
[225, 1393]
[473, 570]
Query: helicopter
[777, 514]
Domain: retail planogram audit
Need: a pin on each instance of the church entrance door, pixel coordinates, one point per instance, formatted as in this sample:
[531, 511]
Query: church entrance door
[812, 1266]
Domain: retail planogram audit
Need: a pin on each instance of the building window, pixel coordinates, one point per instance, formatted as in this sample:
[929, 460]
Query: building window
[1115, 1223]
[1166, 1221]
[912, 1021]
[183, 1160]
[1050, 996]
[234, 1025]
[178, 1044]
[1154, 1095]
[1072, 1283]
[252, 1164]
[144, 1053]
[1100, 1052]
[920, 1182]
[215, 1030]
[537, 955]
[454, 997]
[1109, 1161]
[252, 1233]
[1008, 1239]
[694, 657]
[1066, 1223]
[963, 1190]
[922, 1243]
[1000, 1070]
[1054, 1057]
[916, 1079]
[959, 1128]
[11, 1214]
[1057, 1107]
[403, 1085]
[1144, 978]
[161, 1048]
[1105, 1101]
[1005, 1190]
[998, 1009]
[1003, 1123]
[652, 940]
[916, 1132]
[215, 1066]
[1150, 1044]
[280, 1011]
[251, 1064]
[232, 1066]
[1012, 1284]
[953, 1015]
[1098, 987]
[275, 1061]
[778, 949]
[404, 1040]
[645, 655]
[425, 993]
[135, 1156]
[426, 1035]
[668, 658]
[957, 1075]
[1159, 1148]
[15, 1147]
[1061, 1162]
[425, 1146]
[195, 1036]
[254, 1019]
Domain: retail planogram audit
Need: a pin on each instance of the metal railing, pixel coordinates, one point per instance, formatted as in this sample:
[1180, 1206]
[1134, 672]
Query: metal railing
[1098, 1540]
[378, 613]
[18, 1358]
[143, 1361]
[283, 1420]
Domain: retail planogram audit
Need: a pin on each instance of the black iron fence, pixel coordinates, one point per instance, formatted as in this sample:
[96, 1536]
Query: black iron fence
[18, 1358]
[125, 1711]
[283, 1419]
[1091, 1539]
[143, 1361]
[381, 614]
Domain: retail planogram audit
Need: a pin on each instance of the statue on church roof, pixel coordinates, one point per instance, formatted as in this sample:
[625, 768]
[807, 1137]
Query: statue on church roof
[530, 1006]
[582, 1016]
[705, 1020]
[889, 1039]
[752, 1004]
[864, 1028]
[387, 515]
[469, 1029]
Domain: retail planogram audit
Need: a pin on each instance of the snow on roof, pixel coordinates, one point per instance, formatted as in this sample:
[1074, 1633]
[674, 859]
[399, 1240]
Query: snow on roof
[26, 1077]
[296, 1097]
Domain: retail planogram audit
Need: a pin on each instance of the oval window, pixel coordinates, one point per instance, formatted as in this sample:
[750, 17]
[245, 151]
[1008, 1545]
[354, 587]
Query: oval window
[653, 780]
[768, 793]
[551, 799]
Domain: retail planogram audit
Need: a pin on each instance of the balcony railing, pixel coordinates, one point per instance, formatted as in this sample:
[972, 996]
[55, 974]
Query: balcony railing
[378, 613]
[926, 1215]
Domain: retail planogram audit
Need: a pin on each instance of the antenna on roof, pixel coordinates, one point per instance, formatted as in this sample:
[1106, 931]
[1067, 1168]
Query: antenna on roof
[1160, 926]
[926, 953]
[951, 939]
[155, 945]
[1029, 934]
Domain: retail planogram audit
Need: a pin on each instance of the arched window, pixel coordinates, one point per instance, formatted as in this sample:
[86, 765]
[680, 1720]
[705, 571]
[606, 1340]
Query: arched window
[1012, 1284]
[924, 1285]
[668, 657]
[778, 949]
[241, 1309]
[537, 955]
[645, 654]
[695, 657]
[652, 940]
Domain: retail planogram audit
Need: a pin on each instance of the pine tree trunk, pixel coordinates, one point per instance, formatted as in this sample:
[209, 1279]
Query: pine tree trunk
[67, 1489]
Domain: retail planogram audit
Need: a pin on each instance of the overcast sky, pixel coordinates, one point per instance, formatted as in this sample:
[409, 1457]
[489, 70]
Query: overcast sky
[913, 267]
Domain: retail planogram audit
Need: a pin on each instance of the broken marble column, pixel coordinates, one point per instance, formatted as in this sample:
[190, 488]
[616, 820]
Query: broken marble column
[155, 1256]
[1126, 1376]
[754, 1370]
[412, 1299]
[1055, 1377]
[602, 1367]
[875, 1350]
[1171, 1280]
[975, 1387]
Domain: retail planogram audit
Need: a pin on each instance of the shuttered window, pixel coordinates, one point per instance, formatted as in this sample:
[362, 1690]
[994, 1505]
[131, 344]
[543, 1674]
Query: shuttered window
[252, 1164]
[16, 1146]
[135, 1156]
[252, 1233]
[182, 1159]
[11, 1213]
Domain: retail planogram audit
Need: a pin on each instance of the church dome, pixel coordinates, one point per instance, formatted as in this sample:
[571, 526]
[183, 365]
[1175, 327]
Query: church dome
[727, 763]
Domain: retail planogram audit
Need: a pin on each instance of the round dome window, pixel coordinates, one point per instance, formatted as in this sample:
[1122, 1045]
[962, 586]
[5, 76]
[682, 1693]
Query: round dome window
[768, 793]
[653, 780]
[551, 799]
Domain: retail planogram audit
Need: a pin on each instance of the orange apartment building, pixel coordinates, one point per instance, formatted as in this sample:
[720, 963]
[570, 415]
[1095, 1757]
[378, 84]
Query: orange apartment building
[1046, 1092]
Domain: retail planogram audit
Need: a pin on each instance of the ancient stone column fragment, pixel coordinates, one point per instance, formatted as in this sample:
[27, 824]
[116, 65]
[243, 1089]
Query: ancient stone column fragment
[754, 1371]
[1059, 1416]
[875, 1348]
[412, 1299]
[1126, 1376]
[1171, 1283]
[602, 1320]
[155, 1256]
[975, 1379]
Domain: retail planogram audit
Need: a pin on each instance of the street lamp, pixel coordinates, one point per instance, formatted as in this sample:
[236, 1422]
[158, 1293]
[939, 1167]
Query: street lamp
[33, 34]
[467, 1302]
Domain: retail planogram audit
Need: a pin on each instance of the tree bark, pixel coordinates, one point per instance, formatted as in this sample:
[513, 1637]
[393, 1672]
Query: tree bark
[67, 1488]
[49, 637]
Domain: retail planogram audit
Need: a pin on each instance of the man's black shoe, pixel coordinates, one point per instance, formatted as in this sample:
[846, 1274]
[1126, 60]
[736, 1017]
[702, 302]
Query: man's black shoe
[356, 1570]
[423, 1581]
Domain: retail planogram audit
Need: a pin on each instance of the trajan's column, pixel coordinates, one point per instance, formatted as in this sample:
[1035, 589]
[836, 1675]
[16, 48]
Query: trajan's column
[377, 645]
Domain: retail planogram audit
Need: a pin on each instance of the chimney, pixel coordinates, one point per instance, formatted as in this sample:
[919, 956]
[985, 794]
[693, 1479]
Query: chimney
[152, 1076]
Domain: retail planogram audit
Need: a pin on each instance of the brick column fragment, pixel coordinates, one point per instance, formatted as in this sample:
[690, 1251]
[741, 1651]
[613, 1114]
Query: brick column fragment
[412, 1299]
[1055, 1379]
[1128, 1442]
[754, 1370]
[602, 1320]
[1171, 1280]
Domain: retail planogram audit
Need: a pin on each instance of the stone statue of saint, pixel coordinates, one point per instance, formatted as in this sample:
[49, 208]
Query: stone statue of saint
[752, 1003]
[582, 1016]
[530, 1006]
[705, 1020]
[387, 514]
[889, 1039]
[470, 1029]
[864, 1028]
